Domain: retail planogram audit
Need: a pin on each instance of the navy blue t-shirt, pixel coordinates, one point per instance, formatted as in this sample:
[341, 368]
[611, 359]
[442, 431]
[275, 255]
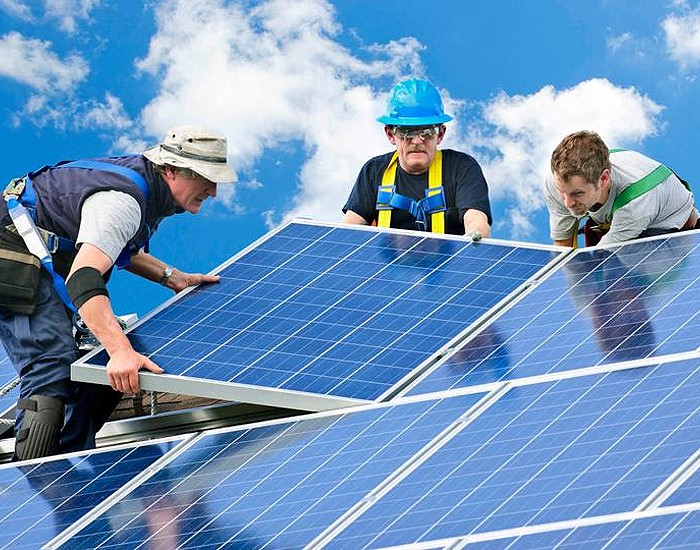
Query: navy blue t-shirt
[464, 184]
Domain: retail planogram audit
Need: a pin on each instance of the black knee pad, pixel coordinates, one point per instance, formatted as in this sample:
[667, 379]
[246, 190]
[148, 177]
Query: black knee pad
[41, 427]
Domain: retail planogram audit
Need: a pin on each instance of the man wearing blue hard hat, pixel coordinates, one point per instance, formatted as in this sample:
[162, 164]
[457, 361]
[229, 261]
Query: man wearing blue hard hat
[419, 186]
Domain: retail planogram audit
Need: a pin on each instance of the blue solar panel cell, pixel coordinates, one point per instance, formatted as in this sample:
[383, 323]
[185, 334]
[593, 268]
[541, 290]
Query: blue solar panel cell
[602, 306]
[7, 372]
[333, 310]
[665, 531]
[563, 450]
[8, 401]
[9, 388]
[687, 493]
[39, 501]
[280, 484]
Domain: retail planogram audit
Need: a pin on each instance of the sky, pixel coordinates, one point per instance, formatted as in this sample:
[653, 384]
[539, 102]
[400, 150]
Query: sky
[296, 86]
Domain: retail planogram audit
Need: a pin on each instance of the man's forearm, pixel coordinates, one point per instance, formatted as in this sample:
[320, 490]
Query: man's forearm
[475, 220]
[97, 314]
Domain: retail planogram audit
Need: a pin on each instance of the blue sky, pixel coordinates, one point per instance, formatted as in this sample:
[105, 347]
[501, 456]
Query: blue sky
[296, 86]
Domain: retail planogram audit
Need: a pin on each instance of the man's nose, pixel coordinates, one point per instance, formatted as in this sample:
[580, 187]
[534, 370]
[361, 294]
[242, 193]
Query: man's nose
[568, 201]
[212, 189]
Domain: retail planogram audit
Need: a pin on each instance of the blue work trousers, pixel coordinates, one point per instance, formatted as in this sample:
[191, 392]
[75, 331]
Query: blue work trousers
[42, 347]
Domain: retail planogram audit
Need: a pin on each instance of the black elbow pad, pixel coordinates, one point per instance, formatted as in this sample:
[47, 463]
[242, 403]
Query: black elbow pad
[84, 284]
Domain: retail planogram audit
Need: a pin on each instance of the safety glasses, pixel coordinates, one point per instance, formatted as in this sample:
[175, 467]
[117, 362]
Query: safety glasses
[408, 133]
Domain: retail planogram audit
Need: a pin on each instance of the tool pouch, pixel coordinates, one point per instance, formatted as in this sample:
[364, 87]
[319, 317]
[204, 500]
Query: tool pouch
[593, 232]
[20, 273]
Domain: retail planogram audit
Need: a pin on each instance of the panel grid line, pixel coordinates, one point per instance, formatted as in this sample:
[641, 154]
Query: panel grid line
[460, 542]
[497, 471]
[684, 472]
[631, 278]
[458, 293]
[376, 453]
[532, 440]
[113, 499]
[252, 286]
[433, 446]
[358, 327]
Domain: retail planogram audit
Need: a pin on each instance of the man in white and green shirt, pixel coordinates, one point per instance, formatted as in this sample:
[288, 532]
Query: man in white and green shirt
[626, 194]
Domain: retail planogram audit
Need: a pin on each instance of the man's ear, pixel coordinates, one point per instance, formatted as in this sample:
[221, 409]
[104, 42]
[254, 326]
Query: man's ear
[442, 130]
[168, 172]
[605, 179]
[390, 135]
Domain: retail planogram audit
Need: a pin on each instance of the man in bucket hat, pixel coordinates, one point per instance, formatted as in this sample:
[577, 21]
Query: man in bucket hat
[418, 186]
[92, 215]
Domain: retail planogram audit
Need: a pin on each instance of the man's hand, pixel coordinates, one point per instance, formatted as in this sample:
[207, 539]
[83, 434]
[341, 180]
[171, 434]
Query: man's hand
[151, 268]
[123, 370]
[476, 225]
[179, 280]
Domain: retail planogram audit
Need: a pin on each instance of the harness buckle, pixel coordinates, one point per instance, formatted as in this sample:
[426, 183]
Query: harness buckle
[435, 200]
[51, 241]
[384, 196]
[15, 188]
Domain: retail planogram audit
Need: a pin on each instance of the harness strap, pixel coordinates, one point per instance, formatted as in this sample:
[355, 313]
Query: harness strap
[638, 188]
[133, 175]
[433, 203]
[388, 179]
[656, 177]
[35, 244]
[21, 205]
[437, 219]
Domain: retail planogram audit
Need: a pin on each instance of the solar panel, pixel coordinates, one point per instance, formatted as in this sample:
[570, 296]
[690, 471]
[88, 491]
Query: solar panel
[571, 418]
[8, 399]
[278, 484]
[599, 307]
[568, 449]
[527, 456]
[330, 315]
[660, 529]
[9, 387]
[40, 500]
[688, 491]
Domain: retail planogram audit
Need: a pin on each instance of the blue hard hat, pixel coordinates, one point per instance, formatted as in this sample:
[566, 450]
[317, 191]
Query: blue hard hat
[414, 103]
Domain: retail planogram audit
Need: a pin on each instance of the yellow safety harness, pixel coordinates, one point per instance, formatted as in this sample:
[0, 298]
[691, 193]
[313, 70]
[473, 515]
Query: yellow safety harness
[433, 203]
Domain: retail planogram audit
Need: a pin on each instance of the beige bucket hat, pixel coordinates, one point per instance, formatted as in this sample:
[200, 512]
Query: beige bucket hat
[198, 149]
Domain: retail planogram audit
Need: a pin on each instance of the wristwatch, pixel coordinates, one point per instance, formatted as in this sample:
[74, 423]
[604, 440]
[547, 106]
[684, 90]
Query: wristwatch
[167, 273]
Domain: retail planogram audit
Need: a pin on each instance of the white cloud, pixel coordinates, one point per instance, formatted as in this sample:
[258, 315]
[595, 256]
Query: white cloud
[53, 81]
[620, 41]
[276, 75]
[682, 34]
[33, 63]
[69, 11]
[271, 76]
[631, 48]
[16, 8]
[66, 112]
[109, 114]
[518, 133]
